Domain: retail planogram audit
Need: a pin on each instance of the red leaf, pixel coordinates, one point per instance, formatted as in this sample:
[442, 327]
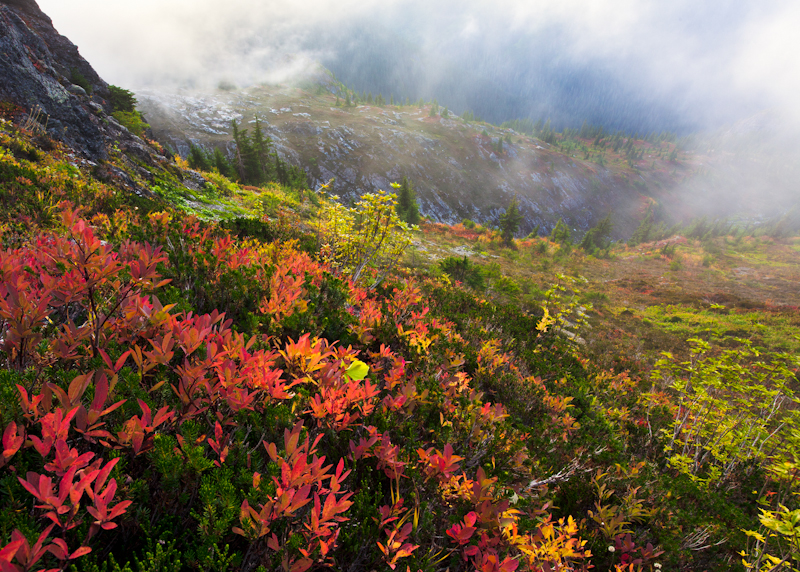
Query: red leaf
[82, 551]
[11, 442]
[10, 549]
[78, 387]
[59, 549]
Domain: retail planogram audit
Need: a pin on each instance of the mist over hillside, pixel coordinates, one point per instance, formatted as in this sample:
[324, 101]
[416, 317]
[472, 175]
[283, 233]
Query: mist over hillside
[633, 66]
[638, 66]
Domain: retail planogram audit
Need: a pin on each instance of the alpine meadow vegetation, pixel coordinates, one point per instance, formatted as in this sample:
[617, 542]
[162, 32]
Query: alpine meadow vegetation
[280, 388]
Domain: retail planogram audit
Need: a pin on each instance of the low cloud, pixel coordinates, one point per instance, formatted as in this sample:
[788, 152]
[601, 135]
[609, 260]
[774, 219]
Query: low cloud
[712, 59]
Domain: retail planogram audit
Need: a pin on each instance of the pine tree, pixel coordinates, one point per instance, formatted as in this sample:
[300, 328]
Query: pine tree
[510, 221]
[347, 102]
[598, 237]
[407, 206]
[673, 156]
[261, 164]
[561, 233]
[255, 162]
[644, 231]
[445, 113]
[198, 159]
[240, 139]
[222, 164]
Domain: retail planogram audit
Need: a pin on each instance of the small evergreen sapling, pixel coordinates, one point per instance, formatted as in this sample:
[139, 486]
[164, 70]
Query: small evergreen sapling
[407, 206]
[510, 221]
[561, 233]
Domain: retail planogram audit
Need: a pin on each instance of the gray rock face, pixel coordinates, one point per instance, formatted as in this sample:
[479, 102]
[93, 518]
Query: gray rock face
[37, 69]
[29, 6]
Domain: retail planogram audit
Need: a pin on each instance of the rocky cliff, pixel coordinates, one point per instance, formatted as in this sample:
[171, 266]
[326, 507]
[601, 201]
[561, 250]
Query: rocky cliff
[39, 69]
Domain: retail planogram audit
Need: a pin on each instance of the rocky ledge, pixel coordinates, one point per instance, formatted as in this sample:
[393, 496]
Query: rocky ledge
[39, 69]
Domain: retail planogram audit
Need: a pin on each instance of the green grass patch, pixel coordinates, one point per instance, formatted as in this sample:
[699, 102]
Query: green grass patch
[768, 329]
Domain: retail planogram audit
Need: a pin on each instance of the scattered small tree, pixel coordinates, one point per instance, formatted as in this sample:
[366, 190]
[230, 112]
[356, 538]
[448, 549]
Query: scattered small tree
[407, 206]
[198, 159]
[121, 99]
[510, 221]
[222, 164]
[644, 231]
[257, 163]
[598, 238]
[561, 233]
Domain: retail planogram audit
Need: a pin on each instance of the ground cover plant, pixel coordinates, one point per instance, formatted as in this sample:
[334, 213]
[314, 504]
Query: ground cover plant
[183, 393]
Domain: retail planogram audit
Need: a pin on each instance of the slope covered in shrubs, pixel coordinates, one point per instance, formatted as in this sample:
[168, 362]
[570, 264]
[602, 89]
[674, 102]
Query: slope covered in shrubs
[183, 394]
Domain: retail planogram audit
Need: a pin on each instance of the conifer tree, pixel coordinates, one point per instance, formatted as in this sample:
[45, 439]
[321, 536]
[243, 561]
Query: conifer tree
[222, 164]
[407, 206]
[597, 237]
[198, 159]
[644, 231]
[510, 221]
[261, 164]
[239, 138]
[561, 233]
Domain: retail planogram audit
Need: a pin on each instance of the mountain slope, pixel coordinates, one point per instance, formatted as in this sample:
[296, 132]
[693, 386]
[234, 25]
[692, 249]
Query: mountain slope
[228, 395]
[457, 168]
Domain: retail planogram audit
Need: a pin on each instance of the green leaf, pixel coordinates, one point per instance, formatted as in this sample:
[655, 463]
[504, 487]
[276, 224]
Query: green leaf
[357, 371]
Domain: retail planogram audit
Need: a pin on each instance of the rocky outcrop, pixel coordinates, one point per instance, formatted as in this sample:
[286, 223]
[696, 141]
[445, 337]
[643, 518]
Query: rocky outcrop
[38, 71]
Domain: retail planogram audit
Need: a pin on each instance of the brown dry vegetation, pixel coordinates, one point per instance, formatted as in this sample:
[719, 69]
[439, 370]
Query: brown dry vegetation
[645, 302]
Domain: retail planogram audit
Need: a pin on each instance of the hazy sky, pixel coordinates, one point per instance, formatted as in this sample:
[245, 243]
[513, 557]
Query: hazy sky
[742, 52]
